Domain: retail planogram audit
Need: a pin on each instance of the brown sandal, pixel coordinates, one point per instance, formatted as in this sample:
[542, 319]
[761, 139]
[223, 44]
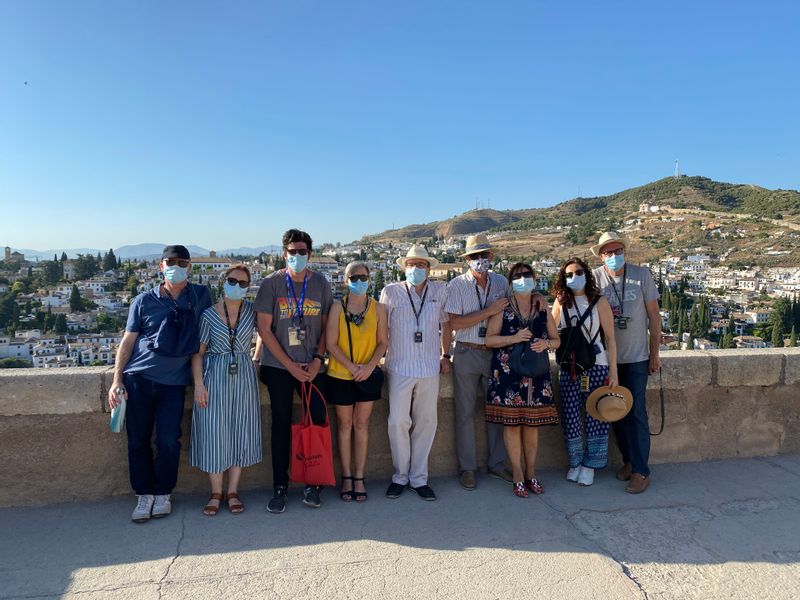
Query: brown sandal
[210, 510]
[236, 508]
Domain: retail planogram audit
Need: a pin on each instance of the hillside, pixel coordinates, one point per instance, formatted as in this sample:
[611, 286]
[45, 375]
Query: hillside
[482, 219]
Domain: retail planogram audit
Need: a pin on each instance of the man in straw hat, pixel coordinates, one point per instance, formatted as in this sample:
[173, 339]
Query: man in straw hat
[471, 299]
[633, 296]
[417, 353]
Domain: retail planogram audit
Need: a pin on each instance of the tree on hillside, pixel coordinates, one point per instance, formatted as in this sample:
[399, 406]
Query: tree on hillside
[380, 283]
[109, 261]
[75, 300]
[777, 335]
[63, 256]
[132, 285]
[793, 337]
[60, 325]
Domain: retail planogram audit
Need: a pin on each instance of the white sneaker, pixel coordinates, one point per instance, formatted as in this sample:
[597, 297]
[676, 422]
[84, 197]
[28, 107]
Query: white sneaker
[572, 474]
[585, 477]
[162, 506]
[144, 508]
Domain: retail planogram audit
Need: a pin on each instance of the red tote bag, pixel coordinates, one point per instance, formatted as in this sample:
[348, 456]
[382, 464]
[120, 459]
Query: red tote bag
[312, 457]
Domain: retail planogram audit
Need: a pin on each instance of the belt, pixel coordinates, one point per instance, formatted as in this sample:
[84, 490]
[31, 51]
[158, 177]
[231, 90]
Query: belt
[473, 346]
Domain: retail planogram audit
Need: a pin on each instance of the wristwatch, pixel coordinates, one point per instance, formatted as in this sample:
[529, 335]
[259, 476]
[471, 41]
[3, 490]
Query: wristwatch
[319, 356]
[446, 356]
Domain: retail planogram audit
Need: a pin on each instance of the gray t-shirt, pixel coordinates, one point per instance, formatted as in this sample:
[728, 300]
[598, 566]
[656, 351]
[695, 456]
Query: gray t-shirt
[275, 298]
[638, 289]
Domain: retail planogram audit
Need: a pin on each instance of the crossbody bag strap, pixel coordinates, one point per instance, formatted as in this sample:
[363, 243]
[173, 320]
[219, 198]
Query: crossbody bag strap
[349, 335]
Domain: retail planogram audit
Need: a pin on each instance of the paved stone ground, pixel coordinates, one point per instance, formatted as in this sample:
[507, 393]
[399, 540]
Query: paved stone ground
[724, 529]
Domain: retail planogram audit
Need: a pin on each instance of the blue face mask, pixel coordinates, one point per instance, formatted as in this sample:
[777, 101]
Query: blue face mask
[415, 275]
[234, 292]
[577, 283]
[615, 263]
[359, 288]
[176, 274]
[523, 285]
[297, 262]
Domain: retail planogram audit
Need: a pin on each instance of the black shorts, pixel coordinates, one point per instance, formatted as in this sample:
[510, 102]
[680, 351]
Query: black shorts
[343, 392]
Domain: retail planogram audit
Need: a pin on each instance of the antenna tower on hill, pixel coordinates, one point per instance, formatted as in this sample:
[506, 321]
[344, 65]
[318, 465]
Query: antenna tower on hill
[677, 170]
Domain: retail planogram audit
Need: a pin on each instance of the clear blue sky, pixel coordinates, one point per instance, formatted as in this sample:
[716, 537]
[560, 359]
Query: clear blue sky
[223, 124]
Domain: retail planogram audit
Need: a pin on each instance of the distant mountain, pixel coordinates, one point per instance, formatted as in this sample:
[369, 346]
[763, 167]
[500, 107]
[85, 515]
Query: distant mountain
[48, 254]
[141, 251]
[151, 251]
[590, 215]
[247, 250]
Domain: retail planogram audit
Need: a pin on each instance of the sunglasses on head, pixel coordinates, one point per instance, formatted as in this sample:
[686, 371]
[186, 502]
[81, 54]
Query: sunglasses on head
[300, 251]
[181, 262]
[478, 255]
[519, 274]
[577, 272]
[618, 252]
[359, 278]
[240, 282]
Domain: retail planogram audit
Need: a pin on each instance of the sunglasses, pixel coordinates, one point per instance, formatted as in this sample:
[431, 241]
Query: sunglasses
[241, 283]
[181, 262]
[519, 274]
[300, 251]
[618, 252]
[478, 255]
[578, 272]
[358, 278]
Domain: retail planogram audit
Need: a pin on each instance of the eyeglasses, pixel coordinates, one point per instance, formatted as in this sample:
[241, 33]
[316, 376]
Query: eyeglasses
[241, 283]
[358, 278]
[578, 272]
[618, 252]
[300, 251]
[181, 262]
[420, 264]
[478, 255]
[519, 274]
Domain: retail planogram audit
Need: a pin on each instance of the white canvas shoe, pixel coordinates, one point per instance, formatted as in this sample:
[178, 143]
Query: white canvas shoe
[572, 474]
[586, 476]
[144, 508]
[162, 506]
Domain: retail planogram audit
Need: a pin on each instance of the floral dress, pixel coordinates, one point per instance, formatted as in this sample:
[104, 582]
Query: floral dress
[516, 399]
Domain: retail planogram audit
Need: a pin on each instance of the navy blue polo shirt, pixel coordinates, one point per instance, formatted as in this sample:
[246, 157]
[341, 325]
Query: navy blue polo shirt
[147, 312]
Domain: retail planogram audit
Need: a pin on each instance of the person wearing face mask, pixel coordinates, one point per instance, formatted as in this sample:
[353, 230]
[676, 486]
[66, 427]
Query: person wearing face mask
[357, 338]
[519, 403]
[633, 297]
[471, 299]
[586, 438]
[292, 306]
[419, 343]
[152, 368]
[226, 419]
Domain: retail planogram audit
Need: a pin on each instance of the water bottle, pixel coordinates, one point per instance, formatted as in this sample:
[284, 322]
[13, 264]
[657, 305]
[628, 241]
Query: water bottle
[118, 412]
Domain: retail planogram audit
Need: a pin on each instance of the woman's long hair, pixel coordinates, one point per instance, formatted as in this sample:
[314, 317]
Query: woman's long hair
[561, 291]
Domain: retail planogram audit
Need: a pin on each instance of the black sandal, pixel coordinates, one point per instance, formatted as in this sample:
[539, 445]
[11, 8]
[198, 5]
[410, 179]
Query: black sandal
[358, 496]
[348, 495]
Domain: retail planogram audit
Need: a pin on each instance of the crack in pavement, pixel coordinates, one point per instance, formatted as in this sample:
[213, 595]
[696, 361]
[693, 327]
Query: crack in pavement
[177, 552]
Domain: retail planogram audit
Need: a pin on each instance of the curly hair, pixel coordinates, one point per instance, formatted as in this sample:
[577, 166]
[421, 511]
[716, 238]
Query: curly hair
[561, 291]
[295, 235]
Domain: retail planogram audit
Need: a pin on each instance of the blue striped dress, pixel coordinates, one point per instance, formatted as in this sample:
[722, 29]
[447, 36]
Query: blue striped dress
[227, 432]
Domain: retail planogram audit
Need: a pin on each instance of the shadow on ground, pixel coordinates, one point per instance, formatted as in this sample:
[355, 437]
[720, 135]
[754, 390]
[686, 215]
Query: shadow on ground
[723, 528]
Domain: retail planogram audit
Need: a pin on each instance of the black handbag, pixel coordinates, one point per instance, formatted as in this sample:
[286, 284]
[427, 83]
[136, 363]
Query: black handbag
[374, 383]
[524, 360]
[576, 354]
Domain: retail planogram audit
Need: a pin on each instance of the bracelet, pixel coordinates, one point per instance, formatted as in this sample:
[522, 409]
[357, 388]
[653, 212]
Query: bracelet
[446, 356]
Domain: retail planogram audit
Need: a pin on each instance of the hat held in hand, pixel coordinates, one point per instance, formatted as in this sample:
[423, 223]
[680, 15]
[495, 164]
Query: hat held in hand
[609, 405]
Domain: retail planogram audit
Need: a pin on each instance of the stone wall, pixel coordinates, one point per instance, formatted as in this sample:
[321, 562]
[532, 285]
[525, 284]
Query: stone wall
[55, 444]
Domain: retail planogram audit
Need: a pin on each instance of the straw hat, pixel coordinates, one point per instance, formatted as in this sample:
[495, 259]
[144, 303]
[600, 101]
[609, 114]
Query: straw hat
[608, 405]
[607, 238]
[417, 251]
[477, 243]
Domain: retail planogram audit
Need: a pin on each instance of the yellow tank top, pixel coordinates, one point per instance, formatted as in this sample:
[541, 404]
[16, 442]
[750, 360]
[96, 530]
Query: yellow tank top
[365, 340]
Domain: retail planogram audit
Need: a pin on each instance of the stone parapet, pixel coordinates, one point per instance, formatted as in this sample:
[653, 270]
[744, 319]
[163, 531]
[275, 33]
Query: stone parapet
[56, 445]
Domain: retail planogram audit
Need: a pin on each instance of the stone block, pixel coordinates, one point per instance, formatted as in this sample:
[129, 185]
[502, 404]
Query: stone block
[681, 369]
[792, 371]
[52, 391]
[746, 368]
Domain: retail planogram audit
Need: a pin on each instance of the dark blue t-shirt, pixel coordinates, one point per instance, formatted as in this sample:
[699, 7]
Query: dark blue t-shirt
[148, 311]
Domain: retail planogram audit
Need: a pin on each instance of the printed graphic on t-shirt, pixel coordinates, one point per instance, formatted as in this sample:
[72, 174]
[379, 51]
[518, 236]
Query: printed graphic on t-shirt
[311, 308]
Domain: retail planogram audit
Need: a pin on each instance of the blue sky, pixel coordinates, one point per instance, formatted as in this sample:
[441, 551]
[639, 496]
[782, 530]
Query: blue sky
[223, 124]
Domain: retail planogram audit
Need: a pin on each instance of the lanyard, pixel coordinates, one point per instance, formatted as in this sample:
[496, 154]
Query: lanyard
[518, 312]
[414, 308]
[620, 299]
[297, 314]
[232, 331]
[482, 305]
